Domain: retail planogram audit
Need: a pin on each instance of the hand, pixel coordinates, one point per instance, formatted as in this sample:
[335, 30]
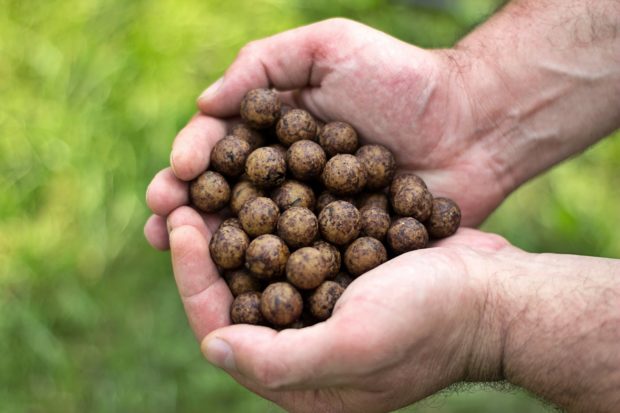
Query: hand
[399, 333]
[406, 98]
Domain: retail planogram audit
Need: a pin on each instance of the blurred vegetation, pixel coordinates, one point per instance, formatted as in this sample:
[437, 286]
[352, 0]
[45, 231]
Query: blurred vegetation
[92, 94]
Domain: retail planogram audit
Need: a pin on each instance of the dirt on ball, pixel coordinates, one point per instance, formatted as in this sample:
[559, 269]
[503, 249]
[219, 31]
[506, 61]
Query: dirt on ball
[241, 281]
[324, 298]
[410, 197]
[209, 192]
[295, 125]
[331, 255]
[344, 175]
[281, 304]
[260, 108]
[375, 222]
[266, 256]
[407, 234]
[266, 167]
[298, 227]
[380, 165]
[306, 268]
[445, 218]
[242, 192]
[293, 194]
[363, 255]
[338, 137]
[228, 247]
[229, 154]
[339, 223]
[245, 309]
[251, 136]
[259, 216]
[305, 159]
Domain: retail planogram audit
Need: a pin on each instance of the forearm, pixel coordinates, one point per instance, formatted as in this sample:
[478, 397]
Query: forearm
[544, 80]
[560, 318]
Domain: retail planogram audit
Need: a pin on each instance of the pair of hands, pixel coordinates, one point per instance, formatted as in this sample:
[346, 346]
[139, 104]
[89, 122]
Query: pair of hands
[408, 328]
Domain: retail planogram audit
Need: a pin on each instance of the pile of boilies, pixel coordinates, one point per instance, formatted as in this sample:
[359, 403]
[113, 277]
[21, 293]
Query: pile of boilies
[312, 211]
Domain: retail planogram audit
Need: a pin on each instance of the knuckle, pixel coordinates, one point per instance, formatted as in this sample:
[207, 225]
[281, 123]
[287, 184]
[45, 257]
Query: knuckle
[267, 375]
[249, 49]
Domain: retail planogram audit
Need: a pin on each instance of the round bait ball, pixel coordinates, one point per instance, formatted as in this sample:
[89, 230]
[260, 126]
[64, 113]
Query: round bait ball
[266, 256]
[375, 222]
[295, 125]
[306, 268]
[245, 309]
[323, 300]
[410, 197]
[407, 234]
[331, 255]
[379, 163]
[363, 255]
[281, 304]
[339, 223]
[241, 281]
[445, 218]
[229, 154]
[242, 192]
[293, 193]
[251, 136]
[305, 159]
[266, 167]
[298, 227]
[209, 192]
[338, 137]
[344, 175]
[260, 108]
[228, 247]
[259, 216]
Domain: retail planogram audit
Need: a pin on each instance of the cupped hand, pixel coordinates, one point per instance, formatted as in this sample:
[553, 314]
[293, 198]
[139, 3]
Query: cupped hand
[414, 101]
[399, 333]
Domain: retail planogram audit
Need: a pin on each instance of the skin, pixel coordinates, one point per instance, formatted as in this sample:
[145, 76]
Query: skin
[549, 323]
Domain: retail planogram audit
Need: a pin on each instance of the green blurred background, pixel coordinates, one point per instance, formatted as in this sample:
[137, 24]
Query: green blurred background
[92, 94]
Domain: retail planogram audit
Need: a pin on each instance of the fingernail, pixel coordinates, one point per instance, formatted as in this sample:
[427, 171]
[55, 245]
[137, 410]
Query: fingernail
[211, 91]
[172, 161]
[169, 226]
[219, 353]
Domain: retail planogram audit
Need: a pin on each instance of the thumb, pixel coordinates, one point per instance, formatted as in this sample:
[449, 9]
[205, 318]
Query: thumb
[290, 60]
[309, 357]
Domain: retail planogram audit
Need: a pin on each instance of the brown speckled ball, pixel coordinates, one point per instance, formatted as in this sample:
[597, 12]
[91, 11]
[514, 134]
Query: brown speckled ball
[323, 300]
[305, 159]
[241, 281]
[259, 216]
[331, 254]
[295, 125]
[266, 256]
[410, 197]
[266, 167]
[209, 192]
[298, 227]
[373, 200]
[306, 268]
[338, 137]
[251, 136]
[339, 223]
[233, 222]
[293, 193]
[281, 304]
[229, 154]
[379, 163]
[407, 234]
[363, 255]
[344, 175]
[445, 218]
[343, 279]
[242, 192]
[375, 222]
[260, 108]
[228, 247]
[245, 309]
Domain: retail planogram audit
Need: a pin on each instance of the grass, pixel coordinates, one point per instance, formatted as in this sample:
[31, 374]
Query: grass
[92, 96]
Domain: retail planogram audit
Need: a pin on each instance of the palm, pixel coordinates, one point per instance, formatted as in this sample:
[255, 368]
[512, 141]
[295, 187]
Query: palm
[374, 339]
